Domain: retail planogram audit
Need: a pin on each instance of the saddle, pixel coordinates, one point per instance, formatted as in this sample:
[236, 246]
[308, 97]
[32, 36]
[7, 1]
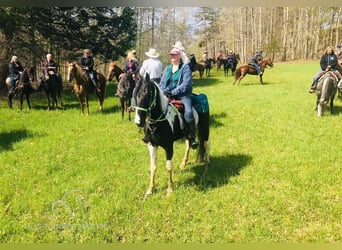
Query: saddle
[323, 73]
[199, 102]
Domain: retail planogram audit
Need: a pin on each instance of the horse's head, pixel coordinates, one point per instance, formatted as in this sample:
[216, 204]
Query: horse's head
[31, 72]
[269, 62]
[150, 102]
[192, 61]
[114, 70]
[28, 75]
[142, 95]
[72, 69]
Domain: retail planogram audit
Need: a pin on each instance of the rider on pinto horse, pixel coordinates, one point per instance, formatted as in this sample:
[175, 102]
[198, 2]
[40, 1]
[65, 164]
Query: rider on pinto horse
[176, 82]
[328, 62]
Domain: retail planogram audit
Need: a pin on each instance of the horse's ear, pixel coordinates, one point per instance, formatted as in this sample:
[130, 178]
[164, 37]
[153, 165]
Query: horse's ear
[147, 77]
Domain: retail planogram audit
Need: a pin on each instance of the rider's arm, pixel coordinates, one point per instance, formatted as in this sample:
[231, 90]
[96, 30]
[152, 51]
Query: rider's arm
[185, 82]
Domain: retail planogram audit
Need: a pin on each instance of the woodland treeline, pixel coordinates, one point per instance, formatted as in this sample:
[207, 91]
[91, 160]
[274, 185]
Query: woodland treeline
[283, 33]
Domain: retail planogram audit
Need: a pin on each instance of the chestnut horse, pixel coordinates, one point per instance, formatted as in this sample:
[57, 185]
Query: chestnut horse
[114, 71]
[243, 70]
[83, 85]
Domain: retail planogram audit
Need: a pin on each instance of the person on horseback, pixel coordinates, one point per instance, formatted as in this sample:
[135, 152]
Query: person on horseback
[87, 64]
[176, 82]
[131, 68]
[328, 62]
[153, 66]
[51, 69]
[255, 61]
[15, 70]
[231, 59]
[206, 59]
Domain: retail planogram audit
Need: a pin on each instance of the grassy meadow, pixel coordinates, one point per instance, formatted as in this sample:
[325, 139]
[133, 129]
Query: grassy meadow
[275, 173]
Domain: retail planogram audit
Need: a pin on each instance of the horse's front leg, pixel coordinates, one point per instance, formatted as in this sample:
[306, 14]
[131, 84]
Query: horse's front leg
[153, 168]
[28, 100]
[261, 78]
[10, 97]
[169, 154]
[331, 106]
[186, 155]
[48, 99]
[86, 98]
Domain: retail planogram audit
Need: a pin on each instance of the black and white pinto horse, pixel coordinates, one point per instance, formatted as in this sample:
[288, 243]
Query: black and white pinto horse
[163, 126]
[326, 91]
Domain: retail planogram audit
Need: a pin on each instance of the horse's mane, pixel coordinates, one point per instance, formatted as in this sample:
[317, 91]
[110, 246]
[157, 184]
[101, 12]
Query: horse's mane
[112, 64]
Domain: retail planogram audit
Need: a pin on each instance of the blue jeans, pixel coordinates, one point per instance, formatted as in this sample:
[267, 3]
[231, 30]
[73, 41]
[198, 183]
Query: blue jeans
[13, 79]
[256, 66]
[187, 102]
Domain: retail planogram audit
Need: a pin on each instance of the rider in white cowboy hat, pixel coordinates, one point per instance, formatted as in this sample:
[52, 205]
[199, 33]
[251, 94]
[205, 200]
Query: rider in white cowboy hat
[153, 66]
[152, 53]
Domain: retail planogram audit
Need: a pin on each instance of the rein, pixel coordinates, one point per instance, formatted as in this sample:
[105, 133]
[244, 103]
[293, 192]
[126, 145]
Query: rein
[148, 110]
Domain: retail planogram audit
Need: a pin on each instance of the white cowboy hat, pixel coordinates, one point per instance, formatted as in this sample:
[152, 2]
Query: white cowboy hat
[152, 53]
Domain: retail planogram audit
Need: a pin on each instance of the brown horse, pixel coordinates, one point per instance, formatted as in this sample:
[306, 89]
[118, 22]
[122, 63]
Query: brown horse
[114, 71]
[83, 85]
[243, 70]
[23, 86]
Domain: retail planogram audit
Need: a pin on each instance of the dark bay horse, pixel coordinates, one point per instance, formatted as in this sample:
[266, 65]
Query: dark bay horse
[23, 86]
[243, 70]
[194, 66]
[53, 88]
[114, 71]
[83, 85]
[326, 91]
[124, 92]
[163, 126]
[207, 66]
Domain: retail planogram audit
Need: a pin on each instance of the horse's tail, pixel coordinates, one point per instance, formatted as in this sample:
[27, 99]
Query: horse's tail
[203, 136]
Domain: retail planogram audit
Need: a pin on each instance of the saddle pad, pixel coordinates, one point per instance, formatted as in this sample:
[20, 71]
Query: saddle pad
[200, 103]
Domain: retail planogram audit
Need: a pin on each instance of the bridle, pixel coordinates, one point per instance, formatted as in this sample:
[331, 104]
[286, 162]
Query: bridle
[152, 104]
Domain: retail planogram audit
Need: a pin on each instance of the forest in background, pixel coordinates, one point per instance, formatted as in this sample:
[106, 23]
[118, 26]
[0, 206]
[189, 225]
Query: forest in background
[283, 33]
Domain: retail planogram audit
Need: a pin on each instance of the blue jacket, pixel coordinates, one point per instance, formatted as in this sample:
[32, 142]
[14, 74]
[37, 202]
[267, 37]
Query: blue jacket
[184, 85]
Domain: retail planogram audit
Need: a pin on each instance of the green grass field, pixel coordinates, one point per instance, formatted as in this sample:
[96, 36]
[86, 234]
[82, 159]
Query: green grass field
[275, 174]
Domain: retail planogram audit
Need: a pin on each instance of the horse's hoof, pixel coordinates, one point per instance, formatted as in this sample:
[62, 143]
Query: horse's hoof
[169, 192]
[182, 166]
[147, 194]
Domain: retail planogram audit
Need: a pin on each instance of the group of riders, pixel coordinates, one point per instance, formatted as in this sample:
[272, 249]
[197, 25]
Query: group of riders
[176, 79]
[50, 70]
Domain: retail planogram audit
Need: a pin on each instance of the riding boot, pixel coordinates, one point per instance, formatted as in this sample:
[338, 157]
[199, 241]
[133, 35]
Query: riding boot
[313, 86]
[191, 134]
[98, 90]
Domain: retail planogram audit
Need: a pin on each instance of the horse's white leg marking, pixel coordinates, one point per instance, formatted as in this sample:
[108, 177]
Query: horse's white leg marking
[186, 155]
[170, 181]
[136, 117]
[153, 168]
